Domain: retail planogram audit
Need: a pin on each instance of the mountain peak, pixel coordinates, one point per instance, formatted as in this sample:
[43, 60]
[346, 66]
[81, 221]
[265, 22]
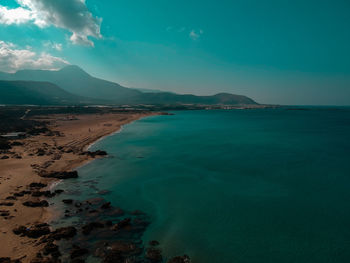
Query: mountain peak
[73, 69]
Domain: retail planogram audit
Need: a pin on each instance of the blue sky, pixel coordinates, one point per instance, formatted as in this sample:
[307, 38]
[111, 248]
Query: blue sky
[284, 52]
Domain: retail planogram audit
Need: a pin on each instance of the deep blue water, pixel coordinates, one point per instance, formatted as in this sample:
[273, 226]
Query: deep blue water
[237, 186]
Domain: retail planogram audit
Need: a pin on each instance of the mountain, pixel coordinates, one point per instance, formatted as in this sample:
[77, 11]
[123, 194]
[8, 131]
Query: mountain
[76, 81]
[36, 93]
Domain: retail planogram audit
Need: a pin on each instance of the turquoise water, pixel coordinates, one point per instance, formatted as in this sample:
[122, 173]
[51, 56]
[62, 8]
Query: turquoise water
[236, 186]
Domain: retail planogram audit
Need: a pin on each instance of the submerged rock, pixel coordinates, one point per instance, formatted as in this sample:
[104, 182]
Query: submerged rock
[154, 254]
[67, 201]
[180, 259]
[78, 252]
[91, 226]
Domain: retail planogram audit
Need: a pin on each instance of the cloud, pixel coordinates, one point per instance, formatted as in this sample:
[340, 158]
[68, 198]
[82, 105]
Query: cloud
[195, 35]
[71, 15]
[53, 45]
[13, 58]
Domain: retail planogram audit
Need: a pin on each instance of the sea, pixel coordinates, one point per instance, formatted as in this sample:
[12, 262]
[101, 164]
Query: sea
[233, 186]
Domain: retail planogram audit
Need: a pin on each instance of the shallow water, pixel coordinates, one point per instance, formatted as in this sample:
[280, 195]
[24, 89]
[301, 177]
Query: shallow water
[234, 186]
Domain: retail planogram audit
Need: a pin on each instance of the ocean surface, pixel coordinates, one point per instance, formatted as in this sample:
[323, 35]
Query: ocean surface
[235, 186]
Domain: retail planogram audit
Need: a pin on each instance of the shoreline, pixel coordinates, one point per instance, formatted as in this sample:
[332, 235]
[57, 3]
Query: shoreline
[76, 135]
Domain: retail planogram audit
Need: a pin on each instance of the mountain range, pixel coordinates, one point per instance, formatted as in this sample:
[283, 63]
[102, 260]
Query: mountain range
[72, 85]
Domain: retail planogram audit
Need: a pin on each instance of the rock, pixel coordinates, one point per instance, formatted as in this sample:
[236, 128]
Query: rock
[154, 255]
[78, 252]
[35, 231]
[37, 185]
[94, 154]
[91, 226]
[64, 232]
[51, 249]
[124, 223]
[40, 152]
[67, 201]
[113, 257]
[60, 175]
[125, 248]
[48, 194]
[4, 157]
[42, 203]
[59, 191]
[19, 230]
[6, 204]
[11, 198]
[106, 205]
[154, 243]
[9, 260]
[104, 192]
[180, 259]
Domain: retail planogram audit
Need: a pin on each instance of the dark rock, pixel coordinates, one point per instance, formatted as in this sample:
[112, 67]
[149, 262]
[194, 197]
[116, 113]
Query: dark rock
[154, 243]
[43, 193]
[104, 192]
[6, 204]
[42, 203]
[9, 260]
[16, 143]
[11, 198]
[180, 259]
[126, 248]
[59, 191]
[4, 157]
[113, 257]
[124, 223]
[106, 205]
[67, 201]
[37, 185]
[34, 231]
[154, 255]
[77, 252]
[94, 154]
[64, 232]
[91, 226]
[40, 152]
[60, 175]
[19, 230]
[51, 249]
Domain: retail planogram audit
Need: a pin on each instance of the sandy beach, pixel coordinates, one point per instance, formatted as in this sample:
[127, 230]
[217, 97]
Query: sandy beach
[61, 151]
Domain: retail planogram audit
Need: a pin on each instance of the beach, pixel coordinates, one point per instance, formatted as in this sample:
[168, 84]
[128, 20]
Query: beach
[63, 149]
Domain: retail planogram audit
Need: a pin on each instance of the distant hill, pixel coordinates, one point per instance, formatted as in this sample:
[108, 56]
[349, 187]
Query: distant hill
[36, 93]
[76, 81]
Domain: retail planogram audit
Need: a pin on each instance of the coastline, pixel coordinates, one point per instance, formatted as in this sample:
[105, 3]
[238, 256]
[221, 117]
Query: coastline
[75, 135]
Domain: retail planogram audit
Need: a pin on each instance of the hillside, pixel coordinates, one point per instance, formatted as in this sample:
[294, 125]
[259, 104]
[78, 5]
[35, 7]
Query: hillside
[36, 93]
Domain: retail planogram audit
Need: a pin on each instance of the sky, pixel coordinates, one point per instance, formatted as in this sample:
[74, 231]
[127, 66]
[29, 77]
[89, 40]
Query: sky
[274, 51]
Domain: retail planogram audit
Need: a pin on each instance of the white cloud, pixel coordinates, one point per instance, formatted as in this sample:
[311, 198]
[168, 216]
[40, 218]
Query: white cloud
[53, 45]
[72, 15]
[195, 35]
[13, 58]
